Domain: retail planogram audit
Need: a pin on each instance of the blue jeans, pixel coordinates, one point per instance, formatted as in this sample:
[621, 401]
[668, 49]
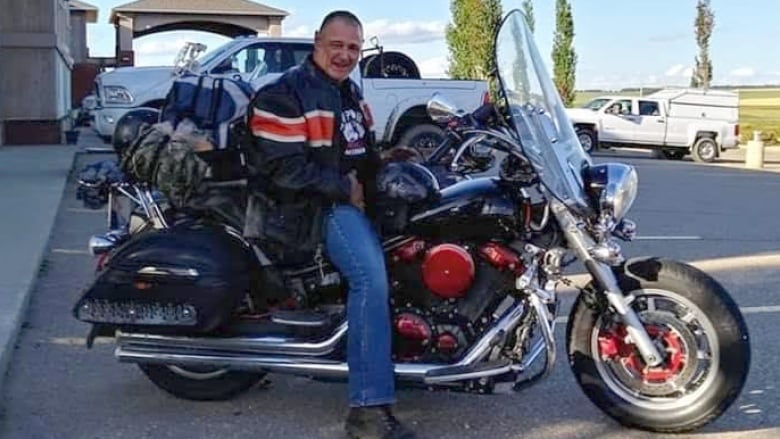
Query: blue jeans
[353, 248]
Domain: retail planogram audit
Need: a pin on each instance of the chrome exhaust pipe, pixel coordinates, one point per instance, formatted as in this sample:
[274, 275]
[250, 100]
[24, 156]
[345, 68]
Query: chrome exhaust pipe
[273, 354]
[234, 345]
[316, 367]
[321, 368]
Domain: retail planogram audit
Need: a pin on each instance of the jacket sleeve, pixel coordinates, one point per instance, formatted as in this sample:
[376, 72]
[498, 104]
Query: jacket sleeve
[279, 141]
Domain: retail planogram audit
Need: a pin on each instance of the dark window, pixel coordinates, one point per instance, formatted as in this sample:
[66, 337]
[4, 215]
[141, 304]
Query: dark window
[648, 108]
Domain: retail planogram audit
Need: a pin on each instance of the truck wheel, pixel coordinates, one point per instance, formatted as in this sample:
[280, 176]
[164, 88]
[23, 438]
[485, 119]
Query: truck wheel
[673, 154]
[587, 139]
[704, 150]
[424, 138]
[389, 65]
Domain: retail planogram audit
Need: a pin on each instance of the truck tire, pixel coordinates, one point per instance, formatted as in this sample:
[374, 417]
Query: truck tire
[587, 139]
[389, 65]
[705, 150]
[424, 138]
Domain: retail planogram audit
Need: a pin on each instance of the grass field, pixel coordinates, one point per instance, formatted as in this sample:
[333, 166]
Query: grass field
[759, 109]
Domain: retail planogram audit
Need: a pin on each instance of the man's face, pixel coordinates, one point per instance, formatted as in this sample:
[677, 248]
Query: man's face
[337, 48]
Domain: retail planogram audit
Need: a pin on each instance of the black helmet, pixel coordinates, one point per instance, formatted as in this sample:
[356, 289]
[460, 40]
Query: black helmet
[129, 125]
[408, 182]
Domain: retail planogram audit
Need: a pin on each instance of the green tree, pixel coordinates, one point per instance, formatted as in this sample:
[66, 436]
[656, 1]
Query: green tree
[703, 25]
[563, 54]
[470, 37]
[528, 11]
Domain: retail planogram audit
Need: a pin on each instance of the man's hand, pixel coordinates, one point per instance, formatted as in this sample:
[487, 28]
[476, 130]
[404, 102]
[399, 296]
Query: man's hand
[356, 196]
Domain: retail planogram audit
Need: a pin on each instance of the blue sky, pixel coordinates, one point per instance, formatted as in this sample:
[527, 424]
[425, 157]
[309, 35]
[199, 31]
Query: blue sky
[618, 43]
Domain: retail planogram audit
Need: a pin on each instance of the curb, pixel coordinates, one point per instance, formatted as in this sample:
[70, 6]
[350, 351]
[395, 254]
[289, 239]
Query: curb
[15, 297]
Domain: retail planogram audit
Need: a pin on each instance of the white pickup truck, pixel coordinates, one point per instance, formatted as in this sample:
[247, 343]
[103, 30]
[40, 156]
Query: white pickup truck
[398, 104]
[675, 121]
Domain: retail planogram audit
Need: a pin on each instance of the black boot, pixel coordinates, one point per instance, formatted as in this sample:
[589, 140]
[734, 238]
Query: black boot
[375, 423]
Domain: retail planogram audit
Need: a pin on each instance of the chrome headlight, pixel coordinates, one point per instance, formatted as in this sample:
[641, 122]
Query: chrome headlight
[612, 188]
[116, 94]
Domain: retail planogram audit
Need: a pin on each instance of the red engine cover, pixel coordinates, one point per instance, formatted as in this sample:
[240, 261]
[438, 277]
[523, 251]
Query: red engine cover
[501, 257]
[448, 271]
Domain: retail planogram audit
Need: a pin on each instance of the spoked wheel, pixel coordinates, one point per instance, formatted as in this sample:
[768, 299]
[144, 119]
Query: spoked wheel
[693, 323]
[424, 138]
[200, 383]
[690, 355]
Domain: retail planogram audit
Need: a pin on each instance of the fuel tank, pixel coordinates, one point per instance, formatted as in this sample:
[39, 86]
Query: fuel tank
[475, 209]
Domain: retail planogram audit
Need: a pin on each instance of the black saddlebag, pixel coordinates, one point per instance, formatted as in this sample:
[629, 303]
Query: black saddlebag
[186, 279]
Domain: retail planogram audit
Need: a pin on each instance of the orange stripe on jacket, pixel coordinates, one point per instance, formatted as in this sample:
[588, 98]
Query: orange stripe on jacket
[320, 126]
[280, 129]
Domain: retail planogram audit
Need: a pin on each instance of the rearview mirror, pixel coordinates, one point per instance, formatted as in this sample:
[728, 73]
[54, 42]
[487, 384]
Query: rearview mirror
[441, 110]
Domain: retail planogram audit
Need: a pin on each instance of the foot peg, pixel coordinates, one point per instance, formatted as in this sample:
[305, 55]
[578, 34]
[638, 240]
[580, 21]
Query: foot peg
[461, 373]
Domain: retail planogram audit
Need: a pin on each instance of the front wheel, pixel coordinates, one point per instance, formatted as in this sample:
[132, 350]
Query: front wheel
[692, 319]
[587, 138]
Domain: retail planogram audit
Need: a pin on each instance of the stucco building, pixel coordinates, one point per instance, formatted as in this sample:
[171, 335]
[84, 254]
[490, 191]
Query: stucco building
[45, 67]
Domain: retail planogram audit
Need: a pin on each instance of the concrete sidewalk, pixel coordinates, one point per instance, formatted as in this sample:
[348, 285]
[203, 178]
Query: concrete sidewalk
[32, 180]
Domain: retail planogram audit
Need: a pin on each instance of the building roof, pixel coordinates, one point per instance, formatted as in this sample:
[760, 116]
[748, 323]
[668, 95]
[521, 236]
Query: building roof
[206, 7]
[90, 11]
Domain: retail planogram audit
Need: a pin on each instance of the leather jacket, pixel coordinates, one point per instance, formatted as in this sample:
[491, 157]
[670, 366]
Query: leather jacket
[294, 158]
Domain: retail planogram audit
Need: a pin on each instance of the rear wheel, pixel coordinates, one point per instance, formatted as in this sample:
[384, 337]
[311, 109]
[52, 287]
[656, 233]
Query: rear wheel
[704, 150]
[200, 383]
[424, 138]
[692, 320]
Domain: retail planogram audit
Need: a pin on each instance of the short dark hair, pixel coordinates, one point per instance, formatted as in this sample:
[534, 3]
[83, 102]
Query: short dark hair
[342, 15]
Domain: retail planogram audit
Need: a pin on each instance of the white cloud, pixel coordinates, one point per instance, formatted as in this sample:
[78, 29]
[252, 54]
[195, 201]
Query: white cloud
[674, 70]
[400, 32]
[679, 70]
[160, 47]
[743, 72]
[434, 67]
[298, 31]
[395, 32]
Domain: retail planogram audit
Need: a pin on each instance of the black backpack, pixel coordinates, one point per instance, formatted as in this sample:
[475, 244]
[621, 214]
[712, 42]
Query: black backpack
[217, 106]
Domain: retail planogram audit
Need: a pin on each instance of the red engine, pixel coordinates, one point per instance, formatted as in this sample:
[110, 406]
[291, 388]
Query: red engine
[416, 336]
[435, 295]
[448, 271]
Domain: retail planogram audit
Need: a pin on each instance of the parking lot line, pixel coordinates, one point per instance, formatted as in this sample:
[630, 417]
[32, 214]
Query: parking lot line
[67, 251]
[668, 238]
[85, 210]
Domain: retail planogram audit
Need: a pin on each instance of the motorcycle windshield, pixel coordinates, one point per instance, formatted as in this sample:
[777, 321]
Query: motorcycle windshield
[537, 114]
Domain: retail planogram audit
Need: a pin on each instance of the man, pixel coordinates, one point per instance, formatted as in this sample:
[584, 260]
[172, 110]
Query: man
[312, 164]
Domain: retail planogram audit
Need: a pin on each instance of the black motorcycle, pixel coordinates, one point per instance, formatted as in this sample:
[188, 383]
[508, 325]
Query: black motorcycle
[654, 343]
